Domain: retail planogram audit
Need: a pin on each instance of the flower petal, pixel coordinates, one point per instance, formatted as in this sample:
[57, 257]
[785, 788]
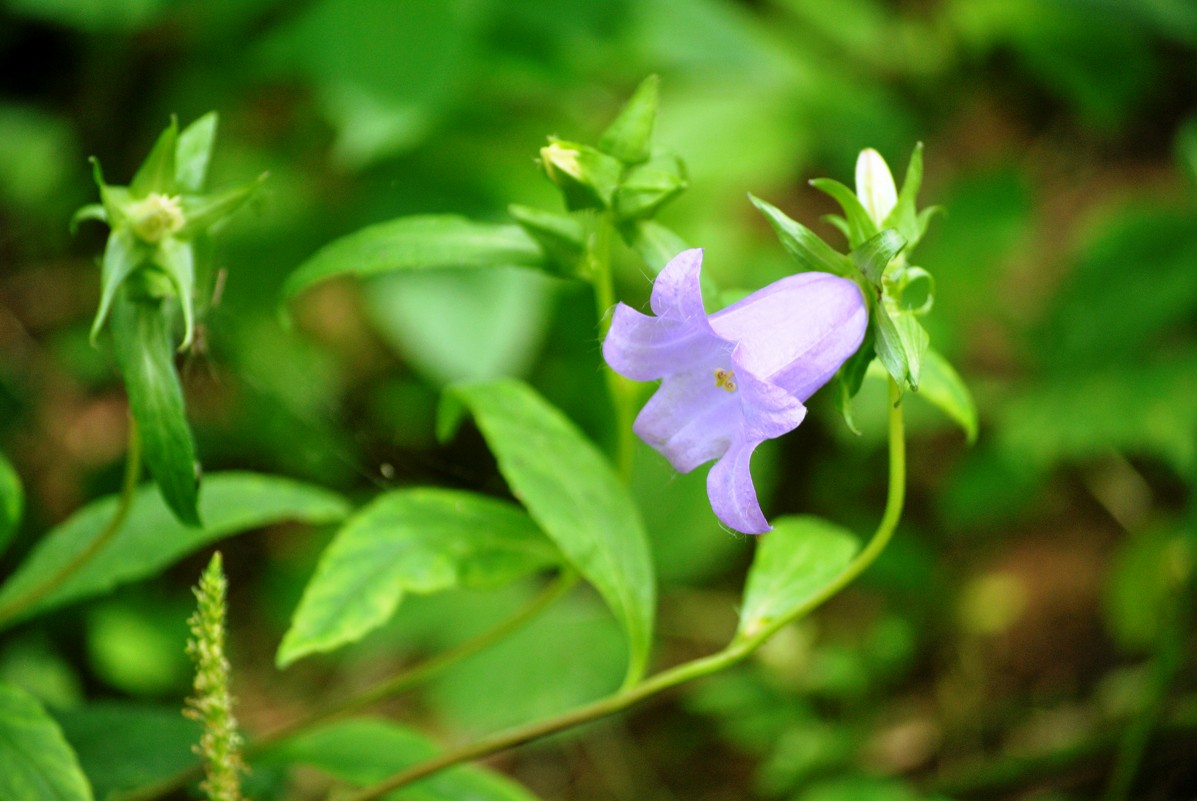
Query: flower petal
[644, 348]
[767, 410]
[796, 332]
[677, 292]
[690, 420]
[731, 492]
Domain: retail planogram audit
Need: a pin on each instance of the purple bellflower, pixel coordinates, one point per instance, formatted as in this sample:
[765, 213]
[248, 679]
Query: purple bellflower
[733, 379]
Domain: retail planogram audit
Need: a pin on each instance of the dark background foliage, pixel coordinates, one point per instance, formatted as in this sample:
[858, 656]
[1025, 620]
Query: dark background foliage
[1034, 608]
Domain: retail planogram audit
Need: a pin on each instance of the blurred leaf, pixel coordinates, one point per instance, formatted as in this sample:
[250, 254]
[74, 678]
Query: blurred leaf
[462, 325]
[35, 159]
[862, 788]
[193, 153]
[1149, 568]
[648, 186]
[133, 646]
[122, 254]
[12, 502]
[1144, 408]
[114, 16]
[572, 492]
[141, 334]
[202, 211]
[417, 243]
[803, 244]
[157, 172]
[35, 760]
[629, 135]
[561, 235]
[123, 745]
[410, 541]
[364, 751]
[655, 243]
[794, 562]
[943, 387]
[151, 538]
[569, 654]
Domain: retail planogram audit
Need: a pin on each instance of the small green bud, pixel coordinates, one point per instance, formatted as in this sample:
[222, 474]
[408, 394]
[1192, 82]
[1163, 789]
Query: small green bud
[155, 217]
[586, 177]
[875, 186]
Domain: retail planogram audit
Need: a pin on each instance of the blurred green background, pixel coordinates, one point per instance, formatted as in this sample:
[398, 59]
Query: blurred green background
[1035, 606]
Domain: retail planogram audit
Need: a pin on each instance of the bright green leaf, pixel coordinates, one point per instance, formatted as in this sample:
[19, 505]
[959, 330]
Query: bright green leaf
[193, 152]
[794, 562]
[35, 760]
[123, 254]
[364, 751]
[123, 745]
[12, 502]
[418, 243]
[802, 243]
[152, 538]
[872, 257]
[628, 136]
[860, 226]
[141, 334]
[572, 492]
[410, 541]
[943, 387]
[157, 172]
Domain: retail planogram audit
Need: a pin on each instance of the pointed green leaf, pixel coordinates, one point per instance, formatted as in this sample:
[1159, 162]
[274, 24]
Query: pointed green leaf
[914, 342]
[944, 388]
[113, 198]
[904, 216]
[152, 538]
[802, 243]
[794, 562]
[36, 762]
[648, 186]
[860, 225]
[629, 135]
[410, 541]
[157, 172]
[201, 212]
[418, 243]
[141, 334]
[363, 751]
[874, 256]
[122, 255]
[12, 502]
[572, 492]
[193, 152]
[177, 260]
[561, 235]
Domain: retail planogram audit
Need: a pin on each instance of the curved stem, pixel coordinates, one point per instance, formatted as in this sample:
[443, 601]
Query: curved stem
[390, 688]
[620, 389]
[735, 652]
[128, 487]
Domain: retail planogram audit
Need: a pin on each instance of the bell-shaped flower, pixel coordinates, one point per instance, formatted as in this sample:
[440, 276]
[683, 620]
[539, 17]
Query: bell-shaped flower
[733, 379]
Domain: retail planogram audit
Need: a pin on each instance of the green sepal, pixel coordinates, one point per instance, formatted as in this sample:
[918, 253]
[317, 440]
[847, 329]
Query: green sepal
[908, 277]
[177, 261]
[851, 376]
[157, 172]
[858, 226]
[586, 177]
[561, 236]
[943, 387]
[141, 335]
[113, 198]
[804, 244]
[193, 153]
[627, 137]
[92, 211]
[122, 255]
[874, 256]
[904, 216]
[201, 212]
[648, 186]
[900, 342]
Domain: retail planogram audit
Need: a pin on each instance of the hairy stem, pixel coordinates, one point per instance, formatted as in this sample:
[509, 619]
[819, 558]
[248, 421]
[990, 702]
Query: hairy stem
[20, 604]
[735, 652]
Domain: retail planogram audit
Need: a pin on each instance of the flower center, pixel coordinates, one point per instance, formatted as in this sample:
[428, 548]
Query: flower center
[156, 217]
[724, 378]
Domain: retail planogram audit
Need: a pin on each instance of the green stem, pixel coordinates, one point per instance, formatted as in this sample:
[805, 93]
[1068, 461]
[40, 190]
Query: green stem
[735, 652]
[622, 392]
[390, 688]
[22, 603]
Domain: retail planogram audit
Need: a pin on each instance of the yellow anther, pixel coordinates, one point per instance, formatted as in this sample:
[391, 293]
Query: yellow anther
[723, 378]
